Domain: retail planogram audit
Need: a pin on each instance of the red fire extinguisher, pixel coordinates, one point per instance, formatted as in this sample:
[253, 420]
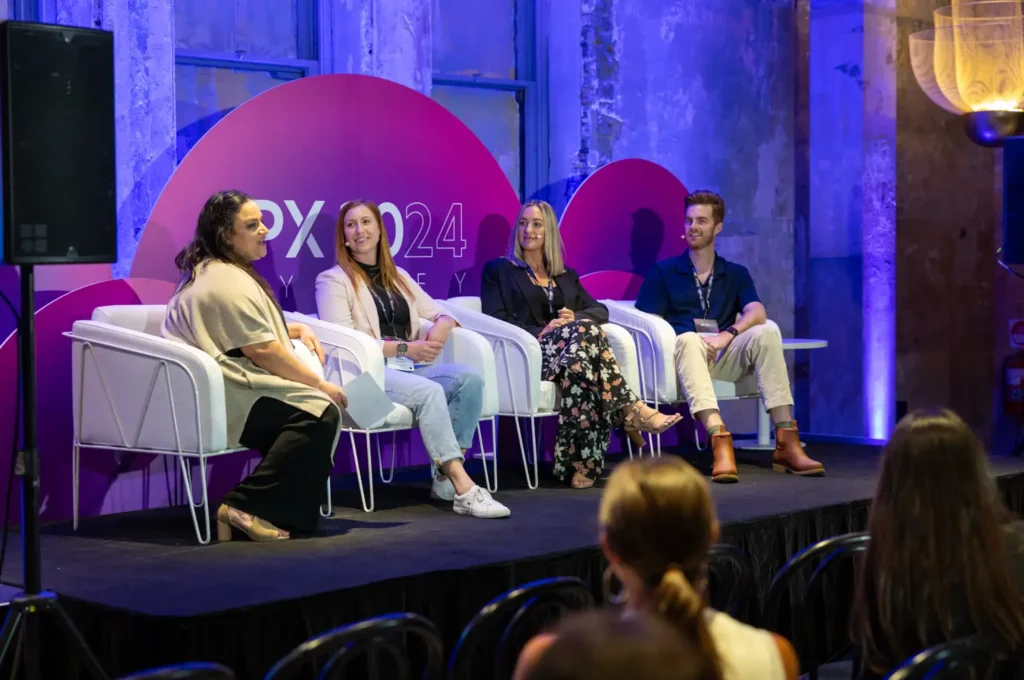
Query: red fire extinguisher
[1013, 386]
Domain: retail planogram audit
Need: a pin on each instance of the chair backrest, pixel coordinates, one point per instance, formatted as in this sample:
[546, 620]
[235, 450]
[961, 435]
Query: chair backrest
[731, 583]
[365, 641]
[657, 363]
[977, 656]
[823, 556]
[141, 318]
[490, 644]
[470, 302]
[185, 671]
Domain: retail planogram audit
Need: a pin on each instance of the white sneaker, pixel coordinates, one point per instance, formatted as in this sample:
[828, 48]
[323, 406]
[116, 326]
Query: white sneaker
[479, 503]
[442, 489]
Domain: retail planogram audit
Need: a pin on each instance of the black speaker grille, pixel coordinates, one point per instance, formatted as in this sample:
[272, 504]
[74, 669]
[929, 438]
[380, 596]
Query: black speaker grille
[59, 165]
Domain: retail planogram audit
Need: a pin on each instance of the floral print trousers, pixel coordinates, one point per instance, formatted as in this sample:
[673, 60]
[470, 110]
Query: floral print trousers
[578, 358]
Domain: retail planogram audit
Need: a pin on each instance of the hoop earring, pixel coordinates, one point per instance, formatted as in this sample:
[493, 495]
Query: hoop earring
[615, 598]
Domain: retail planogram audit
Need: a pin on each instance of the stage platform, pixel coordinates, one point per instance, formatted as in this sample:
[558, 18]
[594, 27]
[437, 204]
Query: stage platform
[144, 593]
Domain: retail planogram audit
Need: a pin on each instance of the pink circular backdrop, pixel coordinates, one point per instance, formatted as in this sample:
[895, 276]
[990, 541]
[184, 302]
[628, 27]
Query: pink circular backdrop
[305, 147]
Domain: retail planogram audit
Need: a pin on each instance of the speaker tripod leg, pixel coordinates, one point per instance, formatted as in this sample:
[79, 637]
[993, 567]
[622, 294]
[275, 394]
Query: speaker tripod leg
[10, 630]
[84, 654]
[26, 611]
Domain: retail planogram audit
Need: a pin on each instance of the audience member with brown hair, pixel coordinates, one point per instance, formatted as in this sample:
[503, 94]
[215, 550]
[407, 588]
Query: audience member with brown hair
[657, 523]
[945, 559]
[604, 646]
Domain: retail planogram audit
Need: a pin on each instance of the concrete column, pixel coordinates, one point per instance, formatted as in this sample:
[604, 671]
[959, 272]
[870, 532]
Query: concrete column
[396, 41]
[851, 243]
[879, 211]
[144, 102]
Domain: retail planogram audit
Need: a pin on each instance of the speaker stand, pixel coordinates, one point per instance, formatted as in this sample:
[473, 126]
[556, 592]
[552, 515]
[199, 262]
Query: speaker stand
[26, 610]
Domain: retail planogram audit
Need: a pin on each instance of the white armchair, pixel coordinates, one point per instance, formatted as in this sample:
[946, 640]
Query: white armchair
[136, 392]
[659, 382]
[349, 352]
[522, 393]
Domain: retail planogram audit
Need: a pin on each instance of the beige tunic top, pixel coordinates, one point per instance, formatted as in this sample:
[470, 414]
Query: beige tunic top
[225, 309]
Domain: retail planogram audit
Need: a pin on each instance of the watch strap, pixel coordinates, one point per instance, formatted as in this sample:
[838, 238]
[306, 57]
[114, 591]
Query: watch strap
[731, 330]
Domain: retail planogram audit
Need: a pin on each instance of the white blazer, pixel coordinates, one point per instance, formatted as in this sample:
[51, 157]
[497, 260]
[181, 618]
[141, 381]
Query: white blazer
[338, 302]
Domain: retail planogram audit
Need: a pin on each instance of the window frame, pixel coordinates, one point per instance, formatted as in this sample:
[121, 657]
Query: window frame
[530, 87]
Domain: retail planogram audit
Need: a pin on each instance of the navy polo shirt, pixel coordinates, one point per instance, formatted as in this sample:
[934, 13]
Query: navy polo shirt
[670, 291]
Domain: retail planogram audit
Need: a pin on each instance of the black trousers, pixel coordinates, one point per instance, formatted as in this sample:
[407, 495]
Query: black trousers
[288, 486]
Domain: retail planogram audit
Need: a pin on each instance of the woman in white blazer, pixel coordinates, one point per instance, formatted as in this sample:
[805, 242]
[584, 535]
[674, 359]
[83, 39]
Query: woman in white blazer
[367, 292]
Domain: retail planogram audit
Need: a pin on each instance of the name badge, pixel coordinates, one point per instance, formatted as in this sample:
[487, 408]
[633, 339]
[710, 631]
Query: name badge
[706, 326]
[400, 364]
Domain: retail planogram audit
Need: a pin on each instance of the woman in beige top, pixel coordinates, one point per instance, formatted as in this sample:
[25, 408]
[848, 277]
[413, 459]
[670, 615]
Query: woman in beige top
[275, 403]
[657, 523]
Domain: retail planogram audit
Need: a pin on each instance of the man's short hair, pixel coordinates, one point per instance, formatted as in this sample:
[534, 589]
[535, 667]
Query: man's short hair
[704, 197]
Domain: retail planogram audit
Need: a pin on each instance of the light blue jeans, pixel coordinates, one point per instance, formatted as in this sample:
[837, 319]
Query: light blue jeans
[446, 400]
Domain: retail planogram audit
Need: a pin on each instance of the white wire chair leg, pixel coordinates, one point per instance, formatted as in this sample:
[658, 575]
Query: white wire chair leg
[75, 462]
[186, 476]
[493, 454]
[380, 459]
[367, 507]
[534, 482]
[327, 510]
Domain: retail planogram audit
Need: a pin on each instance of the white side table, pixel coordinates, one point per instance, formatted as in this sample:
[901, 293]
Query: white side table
[764, 422]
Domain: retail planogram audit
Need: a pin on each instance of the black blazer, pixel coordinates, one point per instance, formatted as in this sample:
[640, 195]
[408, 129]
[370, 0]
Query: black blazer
[503, 296]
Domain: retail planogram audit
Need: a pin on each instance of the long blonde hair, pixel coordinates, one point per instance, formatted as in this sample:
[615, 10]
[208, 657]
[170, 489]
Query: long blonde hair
[657, 517]
[389, 276]
[554, 258]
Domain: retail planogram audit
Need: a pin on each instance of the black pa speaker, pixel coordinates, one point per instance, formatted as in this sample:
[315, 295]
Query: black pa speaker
[57, 111]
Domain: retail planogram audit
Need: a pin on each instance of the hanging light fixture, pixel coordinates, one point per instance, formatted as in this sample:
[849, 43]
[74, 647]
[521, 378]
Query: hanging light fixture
[972, 64]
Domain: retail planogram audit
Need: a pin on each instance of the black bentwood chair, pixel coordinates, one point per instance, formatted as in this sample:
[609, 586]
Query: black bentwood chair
[490, 644]
[731, 583]
[972, 657]
[365, 642]
[185, 671]
[825, 555]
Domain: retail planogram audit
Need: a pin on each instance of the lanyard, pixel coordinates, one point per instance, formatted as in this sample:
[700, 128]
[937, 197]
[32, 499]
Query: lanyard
[549, 290]
[389, 315]
[704, 293]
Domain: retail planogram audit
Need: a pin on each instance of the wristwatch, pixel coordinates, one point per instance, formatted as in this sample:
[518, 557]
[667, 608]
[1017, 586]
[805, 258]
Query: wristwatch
[402, 349]
[732, 331]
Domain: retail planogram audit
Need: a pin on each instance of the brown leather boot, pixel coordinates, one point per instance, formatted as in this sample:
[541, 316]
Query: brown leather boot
[790, 455]
[724, 469]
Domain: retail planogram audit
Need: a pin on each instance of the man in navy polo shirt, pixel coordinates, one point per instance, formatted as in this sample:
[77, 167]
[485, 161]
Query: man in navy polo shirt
[723, 333]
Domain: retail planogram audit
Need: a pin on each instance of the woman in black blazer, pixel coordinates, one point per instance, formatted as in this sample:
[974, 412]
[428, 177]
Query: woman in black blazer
[532, 288]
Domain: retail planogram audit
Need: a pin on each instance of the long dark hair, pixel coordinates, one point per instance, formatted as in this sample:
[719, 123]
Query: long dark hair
[216, 220]
[937, 560]
[643, 503]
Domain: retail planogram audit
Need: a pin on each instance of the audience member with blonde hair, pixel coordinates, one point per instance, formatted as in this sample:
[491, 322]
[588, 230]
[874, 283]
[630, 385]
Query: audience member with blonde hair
[657, 523]
[945, 559]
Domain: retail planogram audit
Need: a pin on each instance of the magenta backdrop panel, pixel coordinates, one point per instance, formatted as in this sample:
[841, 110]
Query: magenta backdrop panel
[103, 480]
[305, 147]
[624, 218]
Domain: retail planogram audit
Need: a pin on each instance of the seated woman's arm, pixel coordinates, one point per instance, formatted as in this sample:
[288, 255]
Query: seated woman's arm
[276, 359]
[492, 300]
[427, 308]
[586, 306]
[235, 318]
